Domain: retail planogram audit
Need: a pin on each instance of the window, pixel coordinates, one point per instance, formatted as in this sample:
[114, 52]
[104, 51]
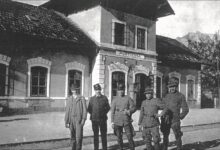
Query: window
[159, 87]
[117, 77]
[141, 37]
[119, 33]
[190, 87]
[142, 81]
[3, 86]
[39, 81]
[75, 77]
[190, 91]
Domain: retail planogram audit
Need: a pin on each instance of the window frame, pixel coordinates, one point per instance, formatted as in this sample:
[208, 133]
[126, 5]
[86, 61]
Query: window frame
[39, 61]
[117, 66]
[74, 66]
[136, 37]
[31, 85]
[191, 77]
[113, 32]
[5, 60]
[160, 75]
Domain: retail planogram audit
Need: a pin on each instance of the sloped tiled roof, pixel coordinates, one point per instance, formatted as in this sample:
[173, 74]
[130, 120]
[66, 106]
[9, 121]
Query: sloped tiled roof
[151, 9]
[172, 50]
[30, 20]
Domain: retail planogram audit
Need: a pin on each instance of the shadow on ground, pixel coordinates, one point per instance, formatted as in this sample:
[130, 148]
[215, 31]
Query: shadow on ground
[191, 146]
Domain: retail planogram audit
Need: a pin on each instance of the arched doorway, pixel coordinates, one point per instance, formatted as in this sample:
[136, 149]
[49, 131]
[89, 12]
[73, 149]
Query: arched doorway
[142, 81]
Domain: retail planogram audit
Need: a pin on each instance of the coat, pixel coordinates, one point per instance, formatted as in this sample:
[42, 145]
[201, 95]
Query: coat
[174, 103]
[118, 108]
[80, 112]
[148, 112]
[98, 108]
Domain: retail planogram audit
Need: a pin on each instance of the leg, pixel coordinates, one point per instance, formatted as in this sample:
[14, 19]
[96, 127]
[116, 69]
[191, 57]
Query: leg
[165, 129]
[95, 128]
[79, 136]
[118, 131]
[103, 129]
[73, 136]
[178, 134]
[156, 137]
[147, 139]
[128, 130]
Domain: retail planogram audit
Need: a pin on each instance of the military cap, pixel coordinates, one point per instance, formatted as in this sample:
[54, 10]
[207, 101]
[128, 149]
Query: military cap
[121, 86]
[148, 90]
[173, 82]
[97, 87]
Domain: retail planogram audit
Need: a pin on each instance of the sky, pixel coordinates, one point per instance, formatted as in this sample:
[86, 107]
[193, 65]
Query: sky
[190, 16]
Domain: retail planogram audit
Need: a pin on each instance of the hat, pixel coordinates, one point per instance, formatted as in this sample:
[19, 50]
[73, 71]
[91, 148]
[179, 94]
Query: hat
[173, 82]
[121, 86]
[97, 87]
[148, 91]
[73, 87]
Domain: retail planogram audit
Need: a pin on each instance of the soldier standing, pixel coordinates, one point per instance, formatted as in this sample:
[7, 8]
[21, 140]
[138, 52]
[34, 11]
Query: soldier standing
[175, 102]
[148, 119]
[98, 109]
[75, 117]
[121, 111]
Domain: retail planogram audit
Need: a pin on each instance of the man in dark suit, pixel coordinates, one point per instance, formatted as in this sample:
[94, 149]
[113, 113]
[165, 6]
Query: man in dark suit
[98, 109]
[75, 117]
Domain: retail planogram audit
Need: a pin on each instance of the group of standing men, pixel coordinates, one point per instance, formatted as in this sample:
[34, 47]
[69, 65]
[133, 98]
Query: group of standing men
[174, 108]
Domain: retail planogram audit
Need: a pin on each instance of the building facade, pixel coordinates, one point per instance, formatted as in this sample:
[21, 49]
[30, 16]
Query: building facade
[117, 44]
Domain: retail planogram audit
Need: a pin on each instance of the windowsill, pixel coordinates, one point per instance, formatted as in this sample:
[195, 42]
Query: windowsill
[128, 49]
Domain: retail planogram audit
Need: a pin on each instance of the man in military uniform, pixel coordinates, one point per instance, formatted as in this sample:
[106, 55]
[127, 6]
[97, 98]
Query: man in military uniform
[98, 109]
[175, 102]
[75, 117]
[148, 119]
[121, 111]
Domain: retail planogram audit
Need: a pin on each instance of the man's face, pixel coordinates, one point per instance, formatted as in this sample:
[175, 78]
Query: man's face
[97, 92]
[148, 96]
[121, 92]
[172, 89]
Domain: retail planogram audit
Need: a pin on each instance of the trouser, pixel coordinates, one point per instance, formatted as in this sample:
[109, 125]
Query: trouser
[177, 132]
[76, 130]
[148, 133]
[128, 131]
[102, 125]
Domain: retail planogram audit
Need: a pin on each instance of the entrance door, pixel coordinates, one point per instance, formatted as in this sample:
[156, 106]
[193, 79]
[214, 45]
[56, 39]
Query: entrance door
[142, 81]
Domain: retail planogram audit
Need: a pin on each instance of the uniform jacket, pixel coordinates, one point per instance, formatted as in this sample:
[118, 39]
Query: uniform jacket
[149, 110]
[118, 107]
[98, 108]
[174, 103]
[77, 112]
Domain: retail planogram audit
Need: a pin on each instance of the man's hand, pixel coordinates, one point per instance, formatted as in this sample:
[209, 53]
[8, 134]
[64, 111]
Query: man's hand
[113, 126]
[67, 125]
